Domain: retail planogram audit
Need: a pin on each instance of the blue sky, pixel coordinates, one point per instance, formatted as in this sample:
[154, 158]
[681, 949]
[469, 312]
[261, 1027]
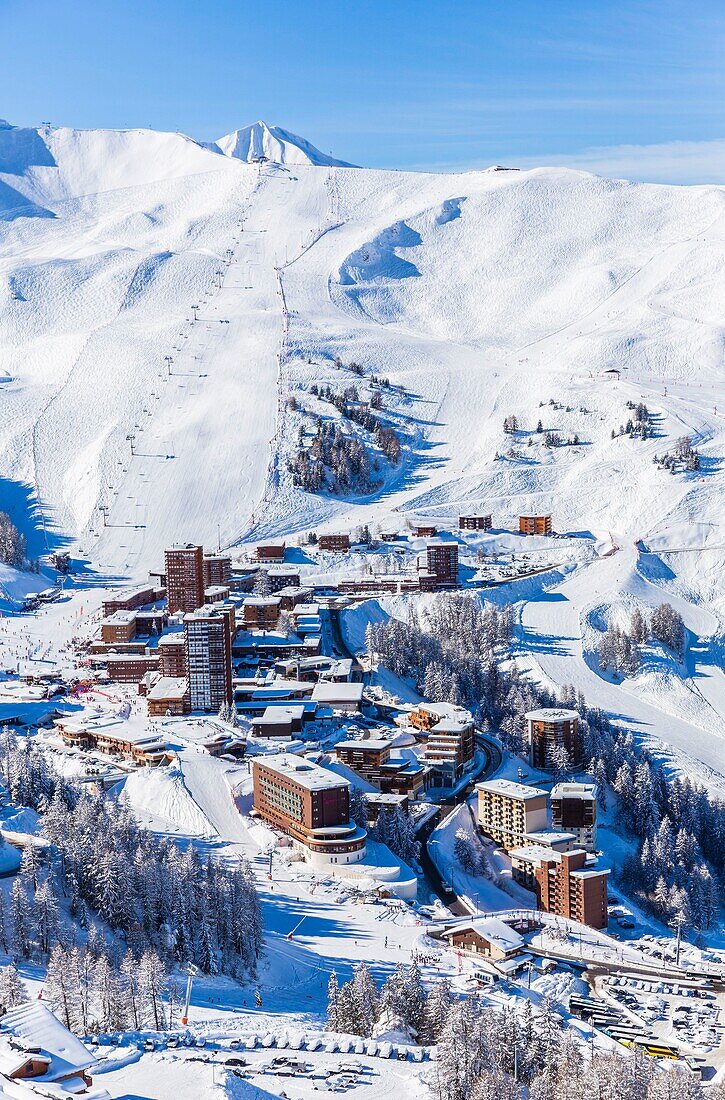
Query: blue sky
[632, 87]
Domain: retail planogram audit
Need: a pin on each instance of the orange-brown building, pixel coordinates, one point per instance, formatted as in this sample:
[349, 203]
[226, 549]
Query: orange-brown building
[425, 531]
[535, 525]
[216, 569]
[184, 578]
[260, 612]
[172, 657]
[130, 668]
[120, 626]
[169, 696]
[310, 804]
[270, 551]
[551, 730]
[132, 599]
[568, 885]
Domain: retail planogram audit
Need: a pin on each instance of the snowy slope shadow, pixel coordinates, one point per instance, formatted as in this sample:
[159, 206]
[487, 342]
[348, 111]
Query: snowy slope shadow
[363, 274]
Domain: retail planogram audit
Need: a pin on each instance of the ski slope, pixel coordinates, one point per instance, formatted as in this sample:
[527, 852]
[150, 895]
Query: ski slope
[480, 295]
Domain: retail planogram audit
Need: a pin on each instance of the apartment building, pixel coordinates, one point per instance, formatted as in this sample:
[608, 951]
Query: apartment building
[118, 627]
[311, 805]
[337, 543]
[270, 551]
[216, 569]
[260, 612]
[184, 577]
[442, 561]
[172, 654]
[507, 811]
[208, 653]
[568, 884]
[475, 523]
[535, 525]
[283, 576]
[550, 730]
[132, 599]
[168, 696]
[574, 810]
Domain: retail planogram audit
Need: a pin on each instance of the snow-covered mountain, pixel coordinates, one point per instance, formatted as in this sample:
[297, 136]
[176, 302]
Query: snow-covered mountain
[482, 295]
[259, 140]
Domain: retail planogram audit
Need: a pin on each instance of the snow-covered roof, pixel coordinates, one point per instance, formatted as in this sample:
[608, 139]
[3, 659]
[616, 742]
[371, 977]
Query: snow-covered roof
[337, 693]
[275, 715]
[547, 838]
[374, 743]
[308, 775]
[168, 687]
[32, 1025]
[493, 930]
[552, 714]
[509, 789]
[574, 790]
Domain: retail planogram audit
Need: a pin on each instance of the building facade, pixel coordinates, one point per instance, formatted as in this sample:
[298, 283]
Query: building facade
[574, 810]
[567, 885]
[216, 569]
[442, 561]
[338, 543]
[549, 731]
[184, 578]
[475, 523]
[535, 525]
[311, 805]
[507, 811]
[208, 654]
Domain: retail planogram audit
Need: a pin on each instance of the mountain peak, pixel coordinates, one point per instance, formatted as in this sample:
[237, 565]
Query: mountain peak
[262, 141]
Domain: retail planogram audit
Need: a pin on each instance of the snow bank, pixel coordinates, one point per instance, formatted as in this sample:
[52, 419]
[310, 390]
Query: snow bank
[161, 801]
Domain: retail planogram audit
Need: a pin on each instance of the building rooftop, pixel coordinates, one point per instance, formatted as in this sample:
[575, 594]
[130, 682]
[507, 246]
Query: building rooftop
[31, 1027]
[168, 687]
[374, 743]
[120, 618]
[261, 601]
[493, 930]
[277, 714]
[552, 714]
[308, 775]
[447, 710]
[545, 838]
[337, 693]
[509, 789]
[574, 790]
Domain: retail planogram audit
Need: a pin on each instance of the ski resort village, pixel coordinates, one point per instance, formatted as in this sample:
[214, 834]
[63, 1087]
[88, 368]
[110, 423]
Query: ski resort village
[362, 619]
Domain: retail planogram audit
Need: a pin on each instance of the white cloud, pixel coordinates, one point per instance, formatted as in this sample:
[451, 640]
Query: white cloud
[670, 162]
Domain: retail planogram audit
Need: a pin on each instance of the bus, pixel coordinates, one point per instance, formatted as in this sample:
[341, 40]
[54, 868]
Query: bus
[654, 1048]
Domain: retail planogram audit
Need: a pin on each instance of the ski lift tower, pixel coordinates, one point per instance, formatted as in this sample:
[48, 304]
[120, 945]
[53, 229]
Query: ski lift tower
[191, 973]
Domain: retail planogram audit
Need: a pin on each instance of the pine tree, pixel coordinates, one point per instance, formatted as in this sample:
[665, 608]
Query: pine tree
[21, 918]
[365, 996]
[333, 994]
[46, 915]
[61, 988]
[12, 988]
[108, 994]
[151, 984]
[437, 1009]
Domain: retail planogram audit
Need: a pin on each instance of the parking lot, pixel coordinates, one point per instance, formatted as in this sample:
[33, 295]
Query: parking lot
[686, 1016]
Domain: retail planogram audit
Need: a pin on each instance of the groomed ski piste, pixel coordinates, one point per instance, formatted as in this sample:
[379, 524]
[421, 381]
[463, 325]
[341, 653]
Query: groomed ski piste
[161, 300]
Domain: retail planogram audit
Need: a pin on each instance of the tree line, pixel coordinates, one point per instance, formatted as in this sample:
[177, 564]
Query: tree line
[149, 894]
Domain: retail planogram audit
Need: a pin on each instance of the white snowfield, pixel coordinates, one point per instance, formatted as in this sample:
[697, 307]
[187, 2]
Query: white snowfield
[483, 295]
